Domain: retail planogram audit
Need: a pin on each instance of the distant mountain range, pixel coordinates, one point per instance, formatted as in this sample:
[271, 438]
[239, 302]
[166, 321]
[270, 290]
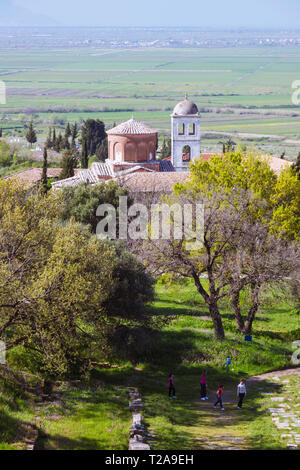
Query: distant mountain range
[15, 15]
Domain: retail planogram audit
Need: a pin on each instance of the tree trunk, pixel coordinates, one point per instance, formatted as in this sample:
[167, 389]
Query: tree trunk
[217, 320]
[253, 310]
[211, 302]
[237, 311]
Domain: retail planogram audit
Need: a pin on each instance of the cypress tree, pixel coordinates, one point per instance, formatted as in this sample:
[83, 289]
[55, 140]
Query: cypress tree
[166, 149]
[54, 138]
[58, 143]
[102, 151]
[84, 154]
[49, 143]
[44, 180]
[31, 135]
[66, 143]
[74, 132]
[68, 132]
[68, 164]
[93, 131]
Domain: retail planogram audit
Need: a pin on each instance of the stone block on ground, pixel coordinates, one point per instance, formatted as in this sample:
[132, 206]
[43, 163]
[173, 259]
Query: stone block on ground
[137, 418]
[137, 429]
[133, 396]
[136, 445]
[136, 405]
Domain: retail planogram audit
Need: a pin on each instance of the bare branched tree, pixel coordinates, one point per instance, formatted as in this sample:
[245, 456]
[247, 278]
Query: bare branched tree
[237, 252]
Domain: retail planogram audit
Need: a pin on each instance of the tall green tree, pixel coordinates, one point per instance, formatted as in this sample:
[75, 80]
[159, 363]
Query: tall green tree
[49, 142]
[102, 151]
[68, 131]
[59, 143]
[84, 154]
[249, 226]
[68, 164]
[31, 135]
[74, 133]
[93, 132]
[58, 286]
[54, 138]
[166, 150]
[44, 180]
[66, 143]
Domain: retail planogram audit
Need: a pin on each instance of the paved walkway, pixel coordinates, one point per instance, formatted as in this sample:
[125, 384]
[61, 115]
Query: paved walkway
[282, 402]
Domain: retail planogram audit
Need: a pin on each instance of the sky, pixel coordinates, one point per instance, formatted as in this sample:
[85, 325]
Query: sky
[265, 14]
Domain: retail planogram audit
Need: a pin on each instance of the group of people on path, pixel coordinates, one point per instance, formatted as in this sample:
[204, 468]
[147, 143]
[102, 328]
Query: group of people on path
[241, 391]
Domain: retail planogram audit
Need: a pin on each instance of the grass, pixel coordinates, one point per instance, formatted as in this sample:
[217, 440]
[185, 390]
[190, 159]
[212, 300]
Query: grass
[187, 422]
[94, 415]
[16, 412]
[87, 418]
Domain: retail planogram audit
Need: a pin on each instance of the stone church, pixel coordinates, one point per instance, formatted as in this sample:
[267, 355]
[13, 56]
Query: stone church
[132, 148]
[132, 159]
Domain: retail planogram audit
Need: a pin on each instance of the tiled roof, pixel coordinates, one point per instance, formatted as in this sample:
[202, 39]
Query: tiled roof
[166, 166]
[74, 181]
[153, 182]
[97, 171]
[277, 164]
[32, 176]
[131, 127]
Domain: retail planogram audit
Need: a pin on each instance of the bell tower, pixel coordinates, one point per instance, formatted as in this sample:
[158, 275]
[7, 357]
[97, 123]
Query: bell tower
[186, 138]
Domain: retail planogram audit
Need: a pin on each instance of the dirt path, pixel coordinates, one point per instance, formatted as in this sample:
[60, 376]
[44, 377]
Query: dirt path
[278, 373]
[223, 430]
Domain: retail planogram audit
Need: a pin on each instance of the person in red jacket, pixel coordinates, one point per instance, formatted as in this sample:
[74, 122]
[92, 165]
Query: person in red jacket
[220, 397]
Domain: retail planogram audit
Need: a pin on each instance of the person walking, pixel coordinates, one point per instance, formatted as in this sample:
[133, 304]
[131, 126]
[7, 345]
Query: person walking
[171, 386]
[241, 393]
[220, 397]
[203, 386]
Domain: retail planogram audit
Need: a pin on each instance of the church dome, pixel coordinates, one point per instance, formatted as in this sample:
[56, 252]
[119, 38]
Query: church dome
[185, 108]
[131, 127]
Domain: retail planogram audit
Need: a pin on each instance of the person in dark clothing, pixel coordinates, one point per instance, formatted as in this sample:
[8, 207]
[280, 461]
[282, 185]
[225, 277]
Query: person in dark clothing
[241, 393]
[203, 386]
[171, 386]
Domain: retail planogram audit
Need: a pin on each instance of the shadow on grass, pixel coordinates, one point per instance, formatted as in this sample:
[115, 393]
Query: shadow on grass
[190, 308]
[57, 442]
[89, 416]
[12, 430]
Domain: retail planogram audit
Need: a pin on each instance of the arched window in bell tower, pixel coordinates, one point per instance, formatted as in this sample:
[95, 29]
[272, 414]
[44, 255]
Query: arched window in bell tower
[186, 153]
[192, 128]
[181, 128]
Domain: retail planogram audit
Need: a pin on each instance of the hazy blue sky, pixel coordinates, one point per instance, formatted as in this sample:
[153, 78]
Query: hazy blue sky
[214, 13]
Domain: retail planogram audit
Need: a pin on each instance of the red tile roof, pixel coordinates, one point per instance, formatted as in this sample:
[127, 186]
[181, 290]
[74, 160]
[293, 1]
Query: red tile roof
[153, 182]
[131, 127]
[32, 176]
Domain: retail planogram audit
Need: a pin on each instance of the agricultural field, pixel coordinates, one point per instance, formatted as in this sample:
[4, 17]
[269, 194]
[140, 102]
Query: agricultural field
[242, 92]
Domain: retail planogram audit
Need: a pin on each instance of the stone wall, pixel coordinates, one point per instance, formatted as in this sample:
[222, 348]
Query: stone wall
[139, 437]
